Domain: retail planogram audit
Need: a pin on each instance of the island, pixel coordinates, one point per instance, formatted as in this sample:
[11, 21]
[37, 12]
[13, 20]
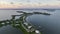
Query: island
[22, 24]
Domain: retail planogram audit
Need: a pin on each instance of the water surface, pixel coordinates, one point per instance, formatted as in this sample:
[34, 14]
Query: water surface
[50, 24]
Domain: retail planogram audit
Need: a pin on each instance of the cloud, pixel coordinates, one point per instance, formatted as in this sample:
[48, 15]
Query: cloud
[28, 3]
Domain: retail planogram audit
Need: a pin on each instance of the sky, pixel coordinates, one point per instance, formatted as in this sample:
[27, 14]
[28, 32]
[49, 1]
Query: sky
[29, 3]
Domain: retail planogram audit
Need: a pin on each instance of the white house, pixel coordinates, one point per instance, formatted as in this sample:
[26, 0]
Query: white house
[37, 31]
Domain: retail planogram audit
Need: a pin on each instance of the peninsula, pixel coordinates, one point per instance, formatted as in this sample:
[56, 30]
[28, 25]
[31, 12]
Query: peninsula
[22, 24]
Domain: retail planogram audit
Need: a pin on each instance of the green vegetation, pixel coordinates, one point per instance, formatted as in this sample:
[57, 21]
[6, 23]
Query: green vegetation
[42, 13]
[20, 26]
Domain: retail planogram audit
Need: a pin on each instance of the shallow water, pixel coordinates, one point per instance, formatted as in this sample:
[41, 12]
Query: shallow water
[4, 15]
[49, 24]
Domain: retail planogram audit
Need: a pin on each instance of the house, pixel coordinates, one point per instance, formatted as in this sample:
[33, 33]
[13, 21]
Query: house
[37, 31]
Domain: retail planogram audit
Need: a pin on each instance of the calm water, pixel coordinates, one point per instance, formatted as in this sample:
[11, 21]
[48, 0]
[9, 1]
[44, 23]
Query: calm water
[49, 24]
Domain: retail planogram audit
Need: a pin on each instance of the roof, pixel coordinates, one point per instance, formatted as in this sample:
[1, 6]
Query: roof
[26, 23]
[29, 27]
[7, 22]
[3, 23]
[17, 24]
[37, 31]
